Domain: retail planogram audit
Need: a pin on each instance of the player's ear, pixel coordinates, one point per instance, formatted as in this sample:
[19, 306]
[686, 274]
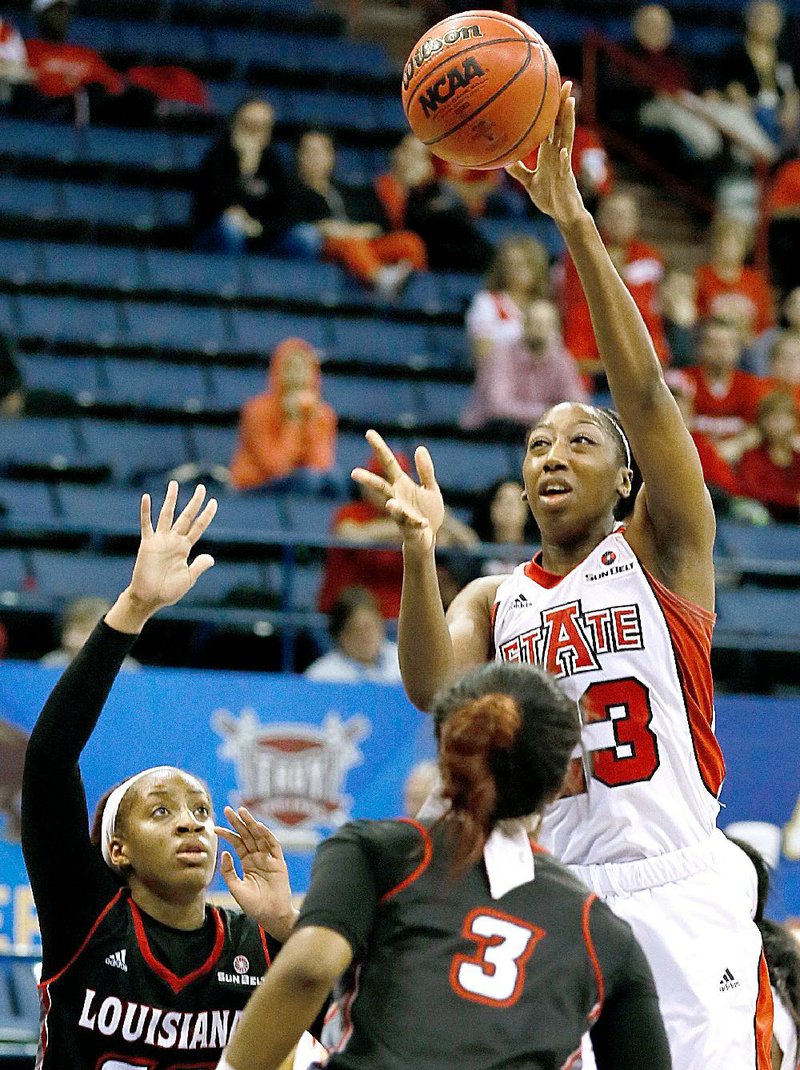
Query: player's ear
[118, 852]
[624, 482]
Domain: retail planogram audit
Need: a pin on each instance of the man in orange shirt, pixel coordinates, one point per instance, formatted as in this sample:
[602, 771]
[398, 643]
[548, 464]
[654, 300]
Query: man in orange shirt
[726, 288]
[726, 398]
[287, 435]
[642, 269]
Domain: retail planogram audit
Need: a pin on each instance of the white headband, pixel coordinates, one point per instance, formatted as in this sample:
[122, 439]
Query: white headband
[618, 426]
[108, 824]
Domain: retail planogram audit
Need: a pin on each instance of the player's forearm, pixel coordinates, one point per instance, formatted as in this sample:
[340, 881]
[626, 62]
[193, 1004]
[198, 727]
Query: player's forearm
[625, 346]
[425, 647]
[275, 1019]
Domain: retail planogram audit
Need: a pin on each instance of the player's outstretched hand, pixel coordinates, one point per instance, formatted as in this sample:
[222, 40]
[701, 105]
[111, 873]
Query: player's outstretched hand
[162, 573]
[417, 508]
[263, 890]
[552, 186]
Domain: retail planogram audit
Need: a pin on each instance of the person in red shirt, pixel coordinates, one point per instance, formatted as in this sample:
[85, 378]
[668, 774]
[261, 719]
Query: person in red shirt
[770, 472]
[642, 269]
[727, 288]
[784, 366]
[287, 435]
[726, 399]
[719, 475]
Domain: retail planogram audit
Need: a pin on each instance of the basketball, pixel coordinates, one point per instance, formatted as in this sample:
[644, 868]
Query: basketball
[481, 89]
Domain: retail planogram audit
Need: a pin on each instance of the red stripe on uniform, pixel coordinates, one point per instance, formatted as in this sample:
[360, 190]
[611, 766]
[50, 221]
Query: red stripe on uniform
[598, 973]
[690, 628]
[763, 1019]
[263, 936]
[89, 935]
[427, 855]
[176, 983]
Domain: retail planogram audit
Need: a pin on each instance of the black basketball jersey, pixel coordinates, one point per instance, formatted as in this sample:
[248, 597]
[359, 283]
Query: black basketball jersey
[446, 976]
[121, 1003]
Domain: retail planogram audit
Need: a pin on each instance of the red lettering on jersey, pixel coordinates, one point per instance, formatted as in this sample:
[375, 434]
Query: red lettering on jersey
[510, 650]
[627, 628]
[598, 622]
[566, 647]
[528, 643]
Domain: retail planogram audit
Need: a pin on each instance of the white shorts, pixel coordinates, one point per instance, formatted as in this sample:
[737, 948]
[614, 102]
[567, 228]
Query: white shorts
[692, 912]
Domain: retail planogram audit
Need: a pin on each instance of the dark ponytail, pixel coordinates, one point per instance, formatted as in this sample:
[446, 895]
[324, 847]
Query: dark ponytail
[470, 741]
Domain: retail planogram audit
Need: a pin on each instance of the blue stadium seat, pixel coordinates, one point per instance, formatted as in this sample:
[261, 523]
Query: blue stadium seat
[93, 265]
[771, 550]
[225, 96]
[260, 332]
[345, 110]
[143, 148]
[101, 34]
[20, 261]
[36, 198]
[49, 141]
[421, 293]
[231, 387]
[213, 587]
[306, 581]
[458, 289]
[758, 618]
[442, 403]
[169, 326]
[75, 376]
[8, 319]
[202, 273]
[371, 400]
[69, 319]
[193, 147]
[280, 50]
[156, 383]
[70, 575]
[13, 573]
[213, 445]
[390, 114]
[305, 280]
[342, 56]
[381, 342]
[178, 43]
[173, 207]
[354, 166]
[100, 509]
[131, 449]
[37, 440]
[306, 515]
[469, 466]
[450, 345]
[123, 206]
[30, 506]
[248, 516]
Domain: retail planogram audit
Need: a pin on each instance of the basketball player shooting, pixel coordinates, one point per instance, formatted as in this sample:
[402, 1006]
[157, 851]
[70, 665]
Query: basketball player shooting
[623, 617]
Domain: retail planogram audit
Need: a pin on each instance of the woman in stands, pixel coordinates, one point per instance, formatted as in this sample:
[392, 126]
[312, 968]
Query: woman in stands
[465, 945]
[623, 617]
[138, 968]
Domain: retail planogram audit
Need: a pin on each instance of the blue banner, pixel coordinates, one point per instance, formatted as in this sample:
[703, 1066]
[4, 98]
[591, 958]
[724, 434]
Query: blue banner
[305, 757]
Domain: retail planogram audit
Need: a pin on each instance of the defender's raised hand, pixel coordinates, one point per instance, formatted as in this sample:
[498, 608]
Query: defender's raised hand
[417, 508]
[552, 186]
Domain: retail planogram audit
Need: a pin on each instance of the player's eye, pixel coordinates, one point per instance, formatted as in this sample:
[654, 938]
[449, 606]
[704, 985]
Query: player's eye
[202, 809]
[584, 439]
[538, 442]
[159, 811]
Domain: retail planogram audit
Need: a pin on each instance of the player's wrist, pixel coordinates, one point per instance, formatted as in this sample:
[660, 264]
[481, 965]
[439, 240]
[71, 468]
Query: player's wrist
[280, 927]
[128, 614]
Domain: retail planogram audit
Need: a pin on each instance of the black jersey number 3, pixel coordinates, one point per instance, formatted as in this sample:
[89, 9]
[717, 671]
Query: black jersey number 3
[495, 973]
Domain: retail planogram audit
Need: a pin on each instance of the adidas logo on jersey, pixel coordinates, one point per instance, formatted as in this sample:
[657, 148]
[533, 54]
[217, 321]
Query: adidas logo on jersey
[520, 602]
[728, 982]
[118, 960]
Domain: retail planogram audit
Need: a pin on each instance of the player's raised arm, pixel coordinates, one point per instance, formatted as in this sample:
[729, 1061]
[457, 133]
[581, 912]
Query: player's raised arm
[430, 651]
[672, 528]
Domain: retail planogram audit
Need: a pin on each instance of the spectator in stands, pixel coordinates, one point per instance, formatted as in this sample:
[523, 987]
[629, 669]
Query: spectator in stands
[728, 289]
[420, 782]
[481, 191]
[341, 224]
[502, 516]
[640, 265]
[519, 273]
[517, 381]
[758, 73]
[73, 82]
[726, 398]
[14, 67]
[364, 524]
[287, 435]
[413, 197]
[12, 392]
[78, 621]
[783, 211]
[757, 357]
[241, 189]
[361, 652]
[679, 309]
[770, 472]
[784, 367]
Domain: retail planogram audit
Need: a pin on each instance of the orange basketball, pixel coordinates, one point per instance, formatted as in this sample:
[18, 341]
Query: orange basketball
[481, 89]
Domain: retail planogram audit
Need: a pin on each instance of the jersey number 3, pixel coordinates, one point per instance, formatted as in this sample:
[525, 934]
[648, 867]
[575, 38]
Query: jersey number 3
[495, 973]
[634, 756]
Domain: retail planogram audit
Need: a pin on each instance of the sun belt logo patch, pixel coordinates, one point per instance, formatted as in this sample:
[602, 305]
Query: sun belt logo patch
[608, 558]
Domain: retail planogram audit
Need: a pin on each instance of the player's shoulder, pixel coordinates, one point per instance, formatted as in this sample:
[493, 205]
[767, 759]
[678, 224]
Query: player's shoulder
[393, 848]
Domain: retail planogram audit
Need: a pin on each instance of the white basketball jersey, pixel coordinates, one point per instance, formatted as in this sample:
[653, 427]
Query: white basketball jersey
[636, 657]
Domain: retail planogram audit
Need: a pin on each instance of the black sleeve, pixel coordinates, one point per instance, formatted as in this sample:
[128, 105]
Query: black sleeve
[214, 187]
[629, 1034]
[70, 882]
[353, 870]
[10, 377]
[363, 205]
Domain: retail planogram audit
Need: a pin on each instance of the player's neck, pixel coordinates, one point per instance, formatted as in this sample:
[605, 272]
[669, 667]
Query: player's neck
[178, 913]
[561, 552]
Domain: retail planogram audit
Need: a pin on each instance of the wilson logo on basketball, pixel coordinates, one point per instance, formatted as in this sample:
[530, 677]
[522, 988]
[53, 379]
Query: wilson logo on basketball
[433, 46]
[292, 776]
[608, 558]
[241, 964]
